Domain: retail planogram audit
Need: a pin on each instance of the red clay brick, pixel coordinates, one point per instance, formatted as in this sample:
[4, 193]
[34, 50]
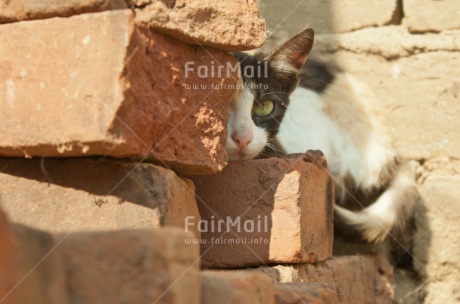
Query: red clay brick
[7, 274]
[59, 195]
[304, 293]
[103, 86]
[133, 266]
[355, 279]
[18, 10]
[236, 287]
[31, 271]
[292, 199]
[229, 25]
[40, 267]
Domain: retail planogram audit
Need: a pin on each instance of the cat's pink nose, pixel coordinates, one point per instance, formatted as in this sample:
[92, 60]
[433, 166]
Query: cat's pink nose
[242, 141]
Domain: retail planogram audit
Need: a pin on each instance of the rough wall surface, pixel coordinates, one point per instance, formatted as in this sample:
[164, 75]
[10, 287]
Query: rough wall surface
[437, 244]
[417, 79]
[327, 16]
[431, 16]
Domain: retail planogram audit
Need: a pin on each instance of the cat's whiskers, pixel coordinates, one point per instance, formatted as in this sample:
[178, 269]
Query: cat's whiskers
[271, 143]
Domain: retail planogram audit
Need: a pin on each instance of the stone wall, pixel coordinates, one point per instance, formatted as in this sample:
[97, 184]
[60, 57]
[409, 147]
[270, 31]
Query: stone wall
[408, 52]
[107, 153]
[108, 150]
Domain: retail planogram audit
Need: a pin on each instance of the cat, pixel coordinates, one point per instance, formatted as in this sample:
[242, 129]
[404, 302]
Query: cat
[299, 105]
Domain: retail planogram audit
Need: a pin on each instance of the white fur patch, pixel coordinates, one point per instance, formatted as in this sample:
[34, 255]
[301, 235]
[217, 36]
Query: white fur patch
[306, 127]
[240, 123]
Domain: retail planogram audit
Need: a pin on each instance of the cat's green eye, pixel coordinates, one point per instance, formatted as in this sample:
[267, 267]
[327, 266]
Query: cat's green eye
[264, 109]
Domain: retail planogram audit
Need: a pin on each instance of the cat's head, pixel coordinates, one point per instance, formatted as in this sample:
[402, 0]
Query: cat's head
[268, 80]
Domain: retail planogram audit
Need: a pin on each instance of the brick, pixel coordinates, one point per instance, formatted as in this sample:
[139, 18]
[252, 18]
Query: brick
[17, 10]
[227, 25]
[437, 246]
[132, 266]
[40, 267]
[134, 101]
[31, 271]
[355, 279]
[347, 246]
[236, 287]
[288, 202]
[393, 42]
[142, 266]
[331, 16]
[61, 195]
[7, 266]
[296, 293]
[281, 273]
[429, 16]
[411, 90]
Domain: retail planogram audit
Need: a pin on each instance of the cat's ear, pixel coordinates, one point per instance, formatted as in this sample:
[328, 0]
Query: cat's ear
[291, 56]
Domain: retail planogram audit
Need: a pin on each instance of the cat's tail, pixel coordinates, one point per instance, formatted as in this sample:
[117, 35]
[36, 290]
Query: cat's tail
[388, 214]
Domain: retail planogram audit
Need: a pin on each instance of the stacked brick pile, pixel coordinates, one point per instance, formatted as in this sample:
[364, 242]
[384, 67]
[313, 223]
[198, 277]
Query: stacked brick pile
[408, 52]
[295, 247]
[106, 153]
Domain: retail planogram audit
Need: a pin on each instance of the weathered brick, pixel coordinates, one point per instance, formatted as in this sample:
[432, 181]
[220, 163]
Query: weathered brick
[135, 266]
[63, 94]
[60, 195]
[327, 16]
[236, 287]
[412, 90]
[281, 273]
[7, 264]
[393, 42]
[17, 10]
[429, 15]
[229, 25]
[132, 266]
[437, 245]
[31, 271]
[288, 202]
[355, 279]
[294, 293]
[40, 272]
